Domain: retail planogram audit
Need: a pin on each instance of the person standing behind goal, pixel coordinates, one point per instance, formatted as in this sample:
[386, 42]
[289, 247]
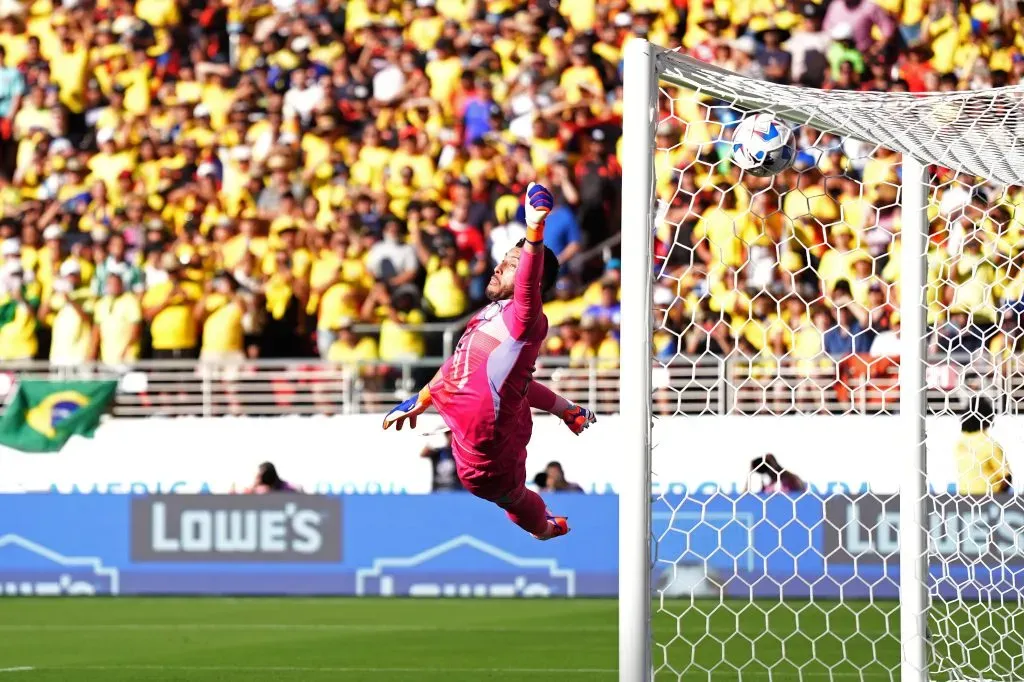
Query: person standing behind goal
[980, 462]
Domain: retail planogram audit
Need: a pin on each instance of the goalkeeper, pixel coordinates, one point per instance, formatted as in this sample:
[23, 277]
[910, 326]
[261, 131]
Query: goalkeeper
[485, 391]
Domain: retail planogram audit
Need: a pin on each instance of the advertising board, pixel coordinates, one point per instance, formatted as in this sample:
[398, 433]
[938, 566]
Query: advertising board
[454, 545]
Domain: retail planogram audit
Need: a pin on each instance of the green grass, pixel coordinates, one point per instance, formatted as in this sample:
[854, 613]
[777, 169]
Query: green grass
[377, 640]
[769, 640]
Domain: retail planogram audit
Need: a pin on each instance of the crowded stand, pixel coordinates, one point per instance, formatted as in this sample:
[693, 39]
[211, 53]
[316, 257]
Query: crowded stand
[321, 179]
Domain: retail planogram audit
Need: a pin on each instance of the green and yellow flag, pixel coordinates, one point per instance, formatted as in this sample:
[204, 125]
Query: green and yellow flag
[44, 414]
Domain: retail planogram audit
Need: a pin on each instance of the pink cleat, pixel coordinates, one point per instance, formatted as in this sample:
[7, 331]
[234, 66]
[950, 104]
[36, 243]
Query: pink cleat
[557, 527]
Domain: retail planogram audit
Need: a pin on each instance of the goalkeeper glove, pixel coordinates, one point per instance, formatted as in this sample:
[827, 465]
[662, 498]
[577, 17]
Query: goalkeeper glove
[409, 409]
[539, 203]
[578, 419]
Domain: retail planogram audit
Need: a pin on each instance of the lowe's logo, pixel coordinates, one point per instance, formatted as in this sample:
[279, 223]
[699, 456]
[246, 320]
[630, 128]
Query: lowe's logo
[484, 571]
[30, 569]
[206, 528]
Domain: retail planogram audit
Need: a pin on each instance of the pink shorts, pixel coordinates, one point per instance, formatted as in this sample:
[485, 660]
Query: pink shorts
[490, 479]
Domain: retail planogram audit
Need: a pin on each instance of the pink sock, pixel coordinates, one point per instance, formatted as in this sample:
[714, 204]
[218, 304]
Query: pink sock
[527, 510]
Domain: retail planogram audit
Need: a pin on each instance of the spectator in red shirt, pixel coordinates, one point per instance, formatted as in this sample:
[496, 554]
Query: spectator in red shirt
[471, 247]
[916, 70]
[878, 79]
[713, 25]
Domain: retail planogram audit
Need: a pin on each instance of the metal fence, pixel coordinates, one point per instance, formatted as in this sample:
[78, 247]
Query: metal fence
[692, 386]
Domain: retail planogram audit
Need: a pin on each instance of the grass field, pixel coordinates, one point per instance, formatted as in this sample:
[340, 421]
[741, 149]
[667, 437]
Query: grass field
[309, 640]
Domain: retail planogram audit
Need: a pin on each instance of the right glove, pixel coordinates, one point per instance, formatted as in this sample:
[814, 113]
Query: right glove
[578, 419]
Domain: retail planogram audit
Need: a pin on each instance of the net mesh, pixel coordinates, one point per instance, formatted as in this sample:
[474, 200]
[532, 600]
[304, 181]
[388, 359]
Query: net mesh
[776, 307]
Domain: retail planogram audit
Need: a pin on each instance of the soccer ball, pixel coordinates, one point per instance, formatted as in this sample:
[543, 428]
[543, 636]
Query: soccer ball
[762, 145]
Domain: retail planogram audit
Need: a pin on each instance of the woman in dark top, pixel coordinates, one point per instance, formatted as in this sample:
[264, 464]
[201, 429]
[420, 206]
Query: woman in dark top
[269, 481]
[775, 478]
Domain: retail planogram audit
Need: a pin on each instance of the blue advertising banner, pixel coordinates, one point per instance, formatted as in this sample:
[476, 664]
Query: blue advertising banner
[428, 545]
[831, 546]
[454, 545]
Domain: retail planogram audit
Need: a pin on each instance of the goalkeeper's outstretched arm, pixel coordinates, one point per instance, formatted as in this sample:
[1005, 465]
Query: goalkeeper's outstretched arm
[527, 296]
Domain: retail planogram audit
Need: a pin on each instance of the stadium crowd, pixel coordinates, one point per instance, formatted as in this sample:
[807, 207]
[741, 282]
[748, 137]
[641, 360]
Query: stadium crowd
[254, 178]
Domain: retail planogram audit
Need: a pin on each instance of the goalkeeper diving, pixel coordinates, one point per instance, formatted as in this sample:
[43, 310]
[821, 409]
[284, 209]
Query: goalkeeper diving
[485, 391]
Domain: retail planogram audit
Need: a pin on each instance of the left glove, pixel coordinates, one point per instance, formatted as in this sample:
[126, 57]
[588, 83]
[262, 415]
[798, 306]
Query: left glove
[539, 203]
[578, 419]
[409, 409]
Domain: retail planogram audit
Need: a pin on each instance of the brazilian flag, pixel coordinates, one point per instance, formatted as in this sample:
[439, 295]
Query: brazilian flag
[44, 414]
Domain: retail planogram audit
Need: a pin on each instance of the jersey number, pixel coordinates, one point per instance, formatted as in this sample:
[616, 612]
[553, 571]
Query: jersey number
[460, 359]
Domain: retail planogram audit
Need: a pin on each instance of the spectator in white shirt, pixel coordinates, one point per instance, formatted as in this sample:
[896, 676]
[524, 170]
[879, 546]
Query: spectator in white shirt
[808, 48]
[504, 237]
[389, 82]
[391, 260]
[887, 343]
[305, 93]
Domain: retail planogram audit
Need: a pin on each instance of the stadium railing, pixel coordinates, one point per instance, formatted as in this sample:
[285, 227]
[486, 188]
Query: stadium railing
[704, 385]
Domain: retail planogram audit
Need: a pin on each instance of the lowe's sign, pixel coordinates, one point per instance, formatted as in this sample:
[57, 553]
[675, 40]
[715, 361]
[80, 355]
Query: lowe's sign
[236, 528]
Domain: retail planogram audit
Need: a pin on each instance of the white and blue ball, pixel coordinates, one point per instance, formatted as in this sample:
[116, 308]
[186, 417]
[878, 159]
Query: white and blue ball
[762, 145]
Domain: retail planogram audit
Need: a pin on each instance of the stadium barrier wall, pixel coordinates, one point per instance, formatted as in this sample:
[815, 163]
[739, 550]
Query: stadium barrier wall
[453, 545]
[352, 455]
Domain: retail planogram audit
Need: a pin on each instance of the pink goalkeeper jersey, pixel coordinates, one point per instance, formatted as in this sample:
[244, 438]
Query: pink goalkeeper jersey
[482, 391]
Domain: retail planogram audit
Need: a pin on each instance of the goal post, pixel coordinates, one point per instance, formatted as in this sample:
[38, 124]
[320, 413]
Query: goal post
[640, 94]
[725, 618]
[913, 492]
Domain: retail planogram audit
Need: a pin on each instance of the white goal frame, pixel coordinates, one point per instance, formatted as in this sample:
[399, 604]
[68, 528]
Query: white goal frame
[645, 65]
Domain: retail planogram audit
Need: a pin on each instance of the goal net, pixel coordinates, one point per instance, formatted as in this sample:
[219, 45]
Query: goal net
[821, 483]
